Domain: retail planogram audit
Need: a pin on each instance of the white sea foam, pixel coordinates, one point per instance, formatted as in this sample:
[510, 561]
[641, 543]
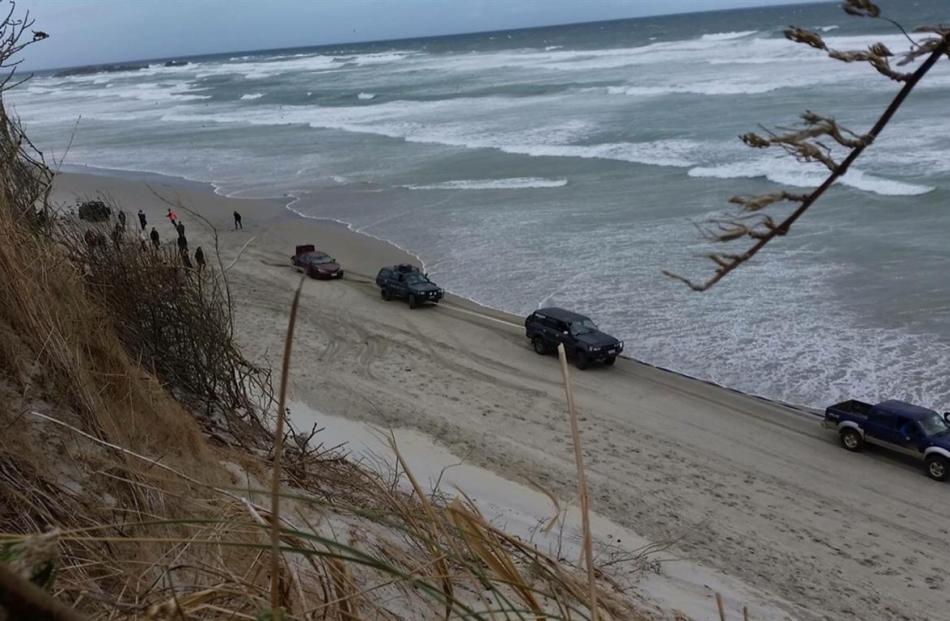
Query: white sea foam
[366, 96]
[513, 183]
[789, 172]
[706, 87]
[443, 122]
[256, 68]
[180, 91]
[251, 96]
[828, 28]
[727, 36]
[379, 59]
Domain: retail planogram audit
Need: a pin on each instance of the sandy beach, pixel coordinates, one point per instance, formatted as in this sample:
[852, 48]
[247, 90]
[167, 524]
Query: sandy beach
[754, 491]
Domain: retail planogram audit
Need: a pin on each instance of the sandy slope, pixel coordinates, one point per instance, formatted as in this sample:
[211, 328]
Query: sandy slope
[757, 490]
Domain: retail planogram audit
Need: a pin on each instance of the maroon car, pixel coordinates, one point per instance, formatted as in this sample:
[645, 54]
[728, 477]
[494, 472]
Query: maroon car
[316, 264]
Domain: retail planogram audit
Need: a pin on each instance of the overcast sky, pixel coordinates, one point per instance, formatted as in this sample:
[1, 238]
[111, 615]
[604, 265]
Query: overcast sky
[98, 31]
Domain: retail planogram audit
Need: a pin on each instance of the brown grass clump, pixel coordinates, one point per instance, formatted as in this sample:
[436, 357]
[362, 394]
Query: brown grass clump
[174, 319]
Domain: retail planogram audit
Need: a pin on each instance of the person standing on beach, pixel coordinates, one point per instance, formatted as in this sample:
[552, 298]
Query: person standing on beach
[154, 236]
[142, 220]
[182, 244]
[122, 219]
[200, 258]
[172, 217]
[180, 227]
[237, 221]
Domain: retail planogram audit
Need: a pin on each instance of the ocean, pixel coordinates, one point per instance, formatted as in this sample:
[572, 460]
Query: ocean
[567, 166]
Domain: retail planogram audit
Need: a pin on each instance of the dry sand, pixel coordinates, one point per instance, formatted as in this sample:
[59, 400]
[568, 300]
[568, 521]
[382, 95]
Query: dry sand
[755, 490]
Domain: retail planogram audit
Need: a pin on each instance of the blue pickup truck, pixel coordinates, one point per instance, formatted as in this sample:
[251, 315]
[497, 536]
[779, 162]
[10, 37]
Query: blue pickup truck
[898, 426]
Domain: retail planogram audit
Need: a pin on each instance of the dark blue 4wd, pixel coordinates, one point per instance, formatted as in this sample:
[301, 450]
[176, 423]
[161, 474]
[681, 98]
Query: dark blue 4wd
[407, 282]
[898, 426]
[548, 327]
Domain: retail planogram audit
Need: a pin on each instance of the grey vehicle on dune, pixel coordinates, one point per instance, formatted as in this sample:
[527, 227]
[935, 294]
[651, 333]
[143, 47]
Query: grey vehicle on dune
[407, 282]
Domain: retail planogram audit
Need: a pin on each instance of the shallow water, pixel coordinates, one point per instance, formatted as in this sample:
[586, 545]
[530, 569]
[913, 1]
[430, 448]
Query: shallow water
[566, 166]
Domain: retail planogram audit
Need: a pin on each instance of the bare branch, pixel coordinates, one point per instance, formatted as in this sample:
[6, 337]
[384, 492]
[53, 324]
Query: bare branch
[755, 203]
[861, 8]
[807, 37]
[879, 62]
[766, 230]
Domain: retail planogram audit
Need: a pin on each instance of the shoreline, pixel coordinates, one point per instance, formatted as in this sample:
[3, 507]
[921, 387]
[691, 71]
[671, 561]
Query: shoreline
[754, 490]
[142, 175]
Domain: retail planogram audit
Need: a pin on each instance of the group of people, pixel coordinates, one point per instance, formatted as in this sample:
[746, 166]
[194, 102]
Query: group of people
[155, 238]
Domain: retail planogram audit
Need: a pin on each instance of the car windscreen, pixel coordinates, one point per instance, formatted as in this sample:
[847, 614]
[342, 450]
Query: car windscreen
[583, 326]
[934, 425]
[414, 278]
[320, 259]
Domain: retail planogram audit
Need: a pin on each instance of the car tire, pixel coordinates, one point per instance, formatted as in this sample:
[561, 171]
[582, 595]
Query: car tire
[851, 440]
[610, 361]
[938, 467]
[539, 347]
[581, 361]
[385, 293]
[412, 301]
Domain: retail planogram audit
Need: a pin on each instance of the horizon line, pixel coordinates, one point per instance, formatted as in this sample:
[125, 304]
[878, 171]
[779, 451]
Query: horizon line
[423, 37]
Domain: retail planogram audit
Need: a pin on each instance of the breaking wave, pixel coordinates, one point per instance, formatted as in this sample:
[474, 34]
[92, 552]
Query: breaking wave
[727, 36]
[789, 172]
[514, 183]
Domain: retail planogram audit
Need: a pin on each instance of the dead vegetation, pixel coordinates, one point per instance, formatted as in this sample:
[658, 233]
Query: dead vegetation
[820, 139]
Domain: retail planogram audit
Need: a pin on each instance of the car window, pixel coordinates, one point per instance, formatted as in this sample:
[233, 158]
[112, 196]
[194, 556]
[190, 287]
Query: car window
[583, 326]
[935, 425]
